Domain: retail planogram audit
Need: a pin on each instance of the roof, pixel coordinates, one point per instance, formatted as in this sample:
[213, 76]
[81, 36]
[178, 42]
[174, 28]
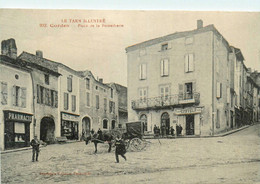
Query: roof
[178, 35]
[15, 63]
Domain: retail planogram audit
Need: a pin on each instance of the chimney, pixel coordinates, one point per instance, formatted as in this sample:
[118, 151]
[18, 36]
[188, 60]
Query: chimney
[8, 48]
[39, 53]
[101, 80]
[199, 24]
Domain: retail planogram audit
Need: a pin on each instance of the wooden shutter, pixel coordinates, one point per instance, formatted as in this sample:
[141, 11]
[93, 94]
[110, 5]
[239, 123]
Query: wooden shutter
[186, 63]
[56, 99]
[228, 95]
[181, 91]
[4, 92]
[162, 67]
[23, 97]
[14, 95]
[219, 86]
[140, 71]
[191, 63]
[144, 71]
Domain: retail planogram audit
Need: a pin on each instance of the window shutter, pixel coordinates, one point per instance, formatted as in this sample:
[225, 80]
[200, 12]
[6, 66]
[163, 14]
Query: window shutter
[218, 89]
[13, 93]
[56, 99]
[162, 67]
[180, 91]
[228, 95]
[23, 97]
[191, 62]
[4, 92]
[38, 93]
[186, 63]
[140, 71]
[144, 71]
[166, 67]
[193, 87]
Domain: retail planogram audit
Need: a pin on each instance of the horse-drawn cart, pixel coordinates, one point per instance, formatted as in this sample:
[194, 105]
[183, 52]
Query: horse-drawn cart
[133, 136]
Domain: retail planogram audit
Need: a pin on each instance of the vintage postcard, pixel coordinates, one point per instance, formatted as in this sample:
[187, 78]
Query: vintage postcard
[112, 96]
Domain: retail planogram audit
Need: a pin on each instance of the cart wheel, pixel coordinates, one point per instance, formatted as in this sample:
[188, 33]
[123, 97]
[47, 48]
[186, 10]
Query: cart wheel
[137, 144]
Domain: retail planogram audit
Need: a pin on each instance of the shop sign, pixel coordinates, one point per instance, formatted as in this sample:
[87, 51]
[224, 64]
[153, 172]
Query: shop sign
[69, 117]
[185, 111]
[16, 116]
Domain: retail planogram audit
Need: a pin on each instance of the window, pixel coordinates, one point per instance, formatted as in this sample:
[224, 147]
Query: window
[113, 124]
[46, 96]
[23, 97]
[119, 125]
[47, 79]
[164, 67]
[188, 91]
[88, 99]
[218, 119]
[66, 101]
[229, 100]
[96, 87]
[105, 104]
[69, 83]
[165, 91]
[73, 103]
[97, 101]
[87, 83]
[164, 47]
[143, 95]
[112, 91]
[189, 63]
[4, 93]
[188, 40]
[142, 72]
[219, 90]
[16, 94]
[105, 124]
[111, 107]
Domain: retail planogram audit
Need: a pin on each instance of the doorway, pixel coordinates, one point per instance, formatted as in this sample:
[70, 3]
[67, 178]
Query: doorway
[165, 124]
[47, 130]
[190, 124]
[86, 126]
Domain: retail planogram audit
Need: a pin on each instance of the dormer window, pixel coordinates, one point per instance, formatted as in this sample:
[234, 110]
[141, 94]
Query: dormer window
[164, 47]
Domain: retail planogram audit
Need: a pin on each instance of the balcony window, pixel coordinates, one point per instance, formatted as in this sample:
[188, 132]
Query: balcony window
[188, 90]
[143, 95]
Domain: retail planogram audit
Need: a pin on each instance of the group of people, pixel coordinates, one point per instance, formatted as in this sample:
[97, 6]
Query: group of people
[163, 131]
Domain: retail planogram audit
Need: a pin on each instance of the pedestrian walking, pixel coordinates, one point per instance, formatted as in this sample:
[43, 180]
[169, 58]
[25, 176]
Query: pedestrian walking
[35, 143]
[120, 148]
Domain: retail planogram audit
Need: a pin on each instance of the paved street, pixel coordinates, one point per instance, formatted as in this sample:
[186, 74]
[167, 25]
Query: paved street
[230, 159]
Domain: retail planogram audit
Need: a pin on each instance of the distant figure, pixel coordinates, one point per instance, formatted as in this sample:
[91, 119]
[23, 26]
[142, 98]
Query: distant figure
[180, 129]
[158, 131]
[172, 131]
[99, 132]
[35, 143]
[92, 131]
[163, 131]
[177, 130]
[120, 148]
[155, 129]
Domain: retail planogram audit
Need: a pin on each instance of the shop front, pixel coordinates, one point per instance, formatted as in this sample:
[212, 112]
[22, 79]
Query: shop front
[189, 120]
[70, 125]
[16, 129]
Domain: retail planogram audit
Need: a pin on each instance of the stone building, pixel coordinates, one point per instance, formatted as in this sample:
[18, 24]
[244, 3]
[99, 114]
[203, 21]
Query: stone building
[98, 104]
[16, 99]
[45, 79]
[182, 78]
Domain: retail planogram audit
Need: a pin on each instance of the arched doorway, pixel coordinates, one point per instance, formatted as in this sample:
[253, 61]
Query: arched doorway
[113, 124]
[143, 118]
[47, 130]
[165, 124]
[86, 126]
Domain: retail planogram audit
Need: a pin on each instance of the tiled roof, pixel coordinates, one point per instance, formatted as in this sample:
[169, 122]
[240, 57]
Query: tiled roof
[177, 35]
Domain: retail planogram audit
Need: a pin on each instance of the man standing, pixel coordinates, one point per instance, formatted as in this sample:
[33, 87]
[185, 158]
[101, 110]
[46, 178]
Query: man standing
[35, 143]
[120, 148]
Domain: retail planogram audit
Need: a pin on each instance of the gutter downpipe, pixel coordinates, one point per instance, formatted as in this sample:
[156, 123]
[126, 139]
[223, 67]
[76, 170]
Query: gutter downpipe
[213, 85]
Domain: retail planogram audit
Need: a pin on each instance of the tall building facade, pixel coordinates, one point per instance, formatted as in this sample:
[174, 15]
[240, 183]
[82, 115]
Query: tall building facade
[185, 78]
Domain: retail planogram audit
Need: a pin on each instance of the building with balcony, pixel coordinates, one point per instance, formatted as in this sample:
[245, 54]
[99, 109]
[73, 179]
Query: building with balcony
[181, 79]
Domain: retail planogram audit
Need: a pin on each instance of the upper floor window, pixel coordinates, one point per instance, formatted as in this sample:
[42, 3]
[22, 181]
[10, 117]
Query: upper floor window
[66, 101]
[164, 67]
[97, 101]
[219, 90]
[47, 79]
[46, 96]
[189, 63]
[186, 90]
[112, 107]
[69, 83]
[88, 99]
[164, 47]
[105, 104]
[73, 103]
[112, 91]
[4, 93]
[87, 83]
[188, 40]
[143, 94]
[19, 96]
[165, 91]
[142, 72]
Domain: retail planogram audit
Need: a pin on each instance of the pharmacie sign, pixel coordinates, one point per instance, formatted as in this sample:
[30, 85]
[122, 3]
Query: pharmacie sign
[193, 110]
[17, 116]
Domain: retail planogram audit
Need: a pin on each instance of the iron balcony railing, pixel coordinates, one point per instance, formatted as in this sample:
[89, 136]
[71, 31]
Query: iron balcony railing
[166, 101]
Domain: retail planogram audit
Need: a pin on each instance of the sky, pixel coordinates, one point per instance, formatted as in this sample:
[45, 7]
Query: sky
[102, 49]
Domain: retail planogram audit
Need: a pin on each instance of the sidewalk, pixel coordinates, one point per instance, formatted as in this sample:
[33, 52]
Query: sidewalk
[29, 148]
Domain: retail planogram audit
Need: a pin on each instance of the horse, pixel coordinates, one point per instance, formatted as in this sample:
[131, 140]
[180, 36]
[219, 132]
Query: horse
[102, 138]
